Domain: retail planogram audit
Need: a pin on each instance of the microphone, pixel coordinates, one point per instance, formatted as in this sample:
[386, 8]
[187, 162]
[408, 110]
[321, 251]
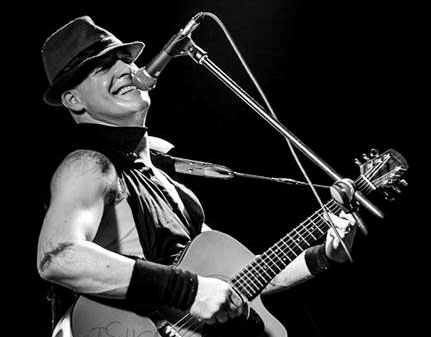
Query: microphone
[145, 78]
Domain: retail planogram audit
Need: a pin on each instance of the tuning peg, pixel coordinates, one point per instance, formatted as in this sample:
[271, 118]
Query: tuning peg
[357, 162]
[403, 183]
[365, 156]
[374, 152]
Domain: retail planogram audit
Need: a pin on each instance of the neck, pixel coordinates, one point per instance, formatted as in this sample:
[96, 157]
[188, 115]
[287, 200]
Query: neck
[143, 151]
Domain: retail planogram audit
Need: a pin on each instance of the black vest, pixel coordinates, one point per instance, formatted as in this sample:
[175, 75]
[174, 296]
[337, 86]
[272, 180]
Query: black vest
[163, 229]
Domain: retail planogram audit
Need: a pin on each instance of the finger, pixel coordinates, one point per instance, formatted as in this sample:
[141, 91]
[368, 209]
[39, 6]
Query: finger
[233, 310]
[333, 239]
[235, 299]
[341, 231]
[221, 316]
[335, 242]
[210, 321]
[343, 223]
[347, 216]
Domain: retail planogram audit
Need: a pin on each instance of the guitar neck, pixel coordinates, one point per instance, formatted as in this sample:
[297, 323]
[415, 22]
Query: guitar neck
[380, 172]
[253, 278]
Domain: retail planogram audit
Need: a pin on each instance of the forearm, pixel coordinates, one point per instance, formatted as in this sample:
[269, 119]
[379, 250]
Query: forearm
[87, 268]
[296, 272]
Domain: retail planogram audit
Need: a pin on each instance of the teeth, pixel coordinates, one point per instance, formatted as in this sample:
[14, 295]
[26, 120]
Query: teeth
[126, 89]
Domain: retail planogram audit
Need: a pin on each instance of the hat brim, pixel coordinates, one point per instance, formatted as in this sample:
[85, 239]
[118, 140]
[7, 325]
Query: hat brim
[52, 95]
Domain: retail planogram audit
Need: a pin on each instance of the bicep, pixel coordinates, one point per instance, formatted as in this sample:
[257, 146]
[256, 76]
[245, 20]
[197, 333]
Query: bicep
[67, 219]
[78, 196]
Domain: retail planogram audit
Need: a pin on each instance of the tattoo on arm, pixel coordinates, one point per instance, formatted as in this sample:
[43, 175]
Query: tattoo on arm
[48, 256]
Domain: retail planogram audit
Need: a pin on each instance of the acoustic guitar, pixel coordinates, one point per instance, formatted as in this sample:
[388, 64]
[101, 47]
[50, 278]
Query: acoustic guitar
[215, 254]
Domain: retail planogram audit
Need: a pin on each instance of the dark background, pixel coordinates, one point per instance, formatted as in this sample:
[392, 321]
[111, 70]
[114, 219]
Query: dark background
[343, 76]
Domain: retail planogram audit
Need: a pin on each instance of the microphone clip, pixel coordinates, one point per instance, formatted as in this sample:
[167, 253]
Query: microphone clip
[343, 192]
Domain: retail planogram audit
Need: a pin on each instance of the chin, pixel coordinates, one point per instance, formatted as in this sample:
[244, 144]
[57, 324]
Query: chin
[137, 103]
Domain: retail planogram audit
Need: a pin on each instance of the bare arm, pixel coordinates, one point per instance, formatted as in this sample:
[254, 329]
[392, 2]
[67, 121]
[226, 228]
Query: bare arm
[298, 271]
[80, 190]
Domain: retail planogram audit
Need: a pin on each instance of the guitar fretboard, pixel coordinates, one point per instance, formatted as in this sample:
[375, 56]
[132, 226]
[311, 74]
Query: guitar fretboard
[253, 278]
[379, 172]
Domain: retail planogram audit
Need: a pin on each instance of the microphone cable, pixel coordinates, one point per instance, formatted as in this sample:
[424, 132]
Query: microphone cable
[272, 113]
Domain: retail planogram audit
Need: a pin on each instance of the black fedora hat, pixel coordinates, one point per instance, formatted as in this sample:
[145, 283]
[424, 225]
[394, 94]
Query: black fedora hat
[72, 47]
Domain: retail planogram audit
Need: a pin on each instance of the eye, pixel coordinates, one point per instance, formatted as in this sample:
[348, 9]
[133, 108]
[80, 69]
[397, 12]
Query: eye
[126, 58]
[100, 70]
[104, 65]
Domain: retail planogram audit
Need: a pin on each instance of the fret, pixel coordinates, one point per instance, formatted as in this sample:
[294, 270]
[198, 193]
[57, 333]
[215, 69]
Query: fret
[303, 239]
[277, 264]
[270, 268]
[243, 289]
[256, 275]
[262, 269]
[288, 247]
[310, 232]
[256, 279]
[317, 226]
[246, 273]
[265, 269]
[294, 241]
[284, 254]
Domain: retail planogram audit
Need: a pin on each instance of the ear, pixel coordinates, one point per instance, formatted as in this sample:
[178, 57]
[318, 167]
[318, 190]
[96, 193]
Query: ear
[70, 100]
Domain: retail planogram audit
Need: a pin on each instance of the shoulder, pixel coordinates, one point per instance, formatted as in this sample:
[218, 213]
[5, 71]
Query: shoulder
[85, 169]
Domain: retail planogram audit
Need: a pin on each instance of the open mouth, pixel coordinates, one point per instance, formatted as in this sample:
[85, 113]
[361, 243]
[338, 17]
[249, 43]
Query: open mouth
[125, 90]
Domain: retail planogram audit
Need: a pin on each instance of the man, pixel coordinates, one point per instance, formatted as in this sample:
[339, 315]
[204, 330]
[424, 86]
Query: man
[115, 222]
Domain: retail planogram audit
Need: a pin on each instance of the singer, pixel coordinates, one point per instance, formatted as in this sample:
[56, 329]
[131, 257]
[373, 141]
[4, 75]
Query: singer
[114, 237]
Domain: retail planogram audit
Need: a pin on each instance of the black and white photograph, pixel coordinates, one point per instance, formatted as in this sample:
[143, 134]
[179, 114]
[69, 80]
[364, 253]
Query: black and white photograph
[217, 169]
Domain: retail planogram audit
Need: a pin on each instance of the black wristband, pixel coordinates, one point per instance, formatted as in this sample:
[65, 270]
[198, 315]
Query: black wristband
[316, 259]
[154, 284]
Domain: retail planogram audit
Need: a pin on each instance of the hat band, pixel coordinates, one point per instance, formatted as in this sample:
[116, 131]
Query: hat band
[89, 52]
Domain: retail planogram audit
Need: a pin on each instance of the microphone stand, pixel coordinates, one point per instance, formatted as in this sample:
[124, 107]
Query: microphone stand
[200, 56]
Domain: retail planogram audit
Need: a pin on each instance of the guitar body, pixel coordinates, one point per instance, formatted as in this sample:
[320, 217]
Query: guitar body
[211, 254]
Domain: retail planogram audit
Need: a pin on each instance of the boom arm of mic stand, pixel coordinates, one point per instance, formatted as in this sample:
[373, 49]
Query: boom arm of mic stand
[201, 57]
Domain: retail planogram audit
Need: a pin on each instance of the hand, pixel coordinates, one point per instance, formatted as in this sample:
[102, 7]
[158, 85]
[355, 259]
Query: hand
[346, 228]
[216, 301]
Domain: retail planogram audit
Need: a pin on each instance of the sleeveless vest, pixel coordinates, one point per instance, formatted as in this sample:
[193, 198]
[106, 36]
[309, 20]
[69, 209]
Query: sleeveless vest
[163, 228]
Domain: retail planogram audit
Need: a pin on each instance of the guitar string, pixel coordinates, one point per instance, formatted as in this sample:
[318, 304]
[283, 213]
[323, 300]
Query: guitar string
[378, 181]
[298, 234]
[191, 324]
[271, 256]
[308, 234]
[375, 169]
[275, 250]
[301, 237]
[196, 324]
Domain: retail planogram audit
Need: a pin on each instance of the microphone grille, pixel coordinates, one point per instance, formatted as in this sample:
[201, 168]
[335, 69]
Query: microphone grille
[143, 80]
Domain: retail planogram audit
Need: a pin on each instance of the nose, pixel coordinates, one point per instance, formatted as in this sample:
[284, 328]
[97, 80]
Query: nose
[122, 68]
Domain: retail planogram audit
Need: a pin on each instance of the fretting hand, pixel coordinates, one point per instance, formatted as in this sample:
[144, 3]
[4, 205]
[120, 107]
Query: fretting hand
[346, 228]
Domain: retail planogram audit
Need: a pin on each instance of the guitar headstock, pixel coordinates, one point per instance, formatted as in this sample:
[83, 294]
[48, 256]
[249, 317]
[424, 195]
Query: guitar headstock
[383, 172]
